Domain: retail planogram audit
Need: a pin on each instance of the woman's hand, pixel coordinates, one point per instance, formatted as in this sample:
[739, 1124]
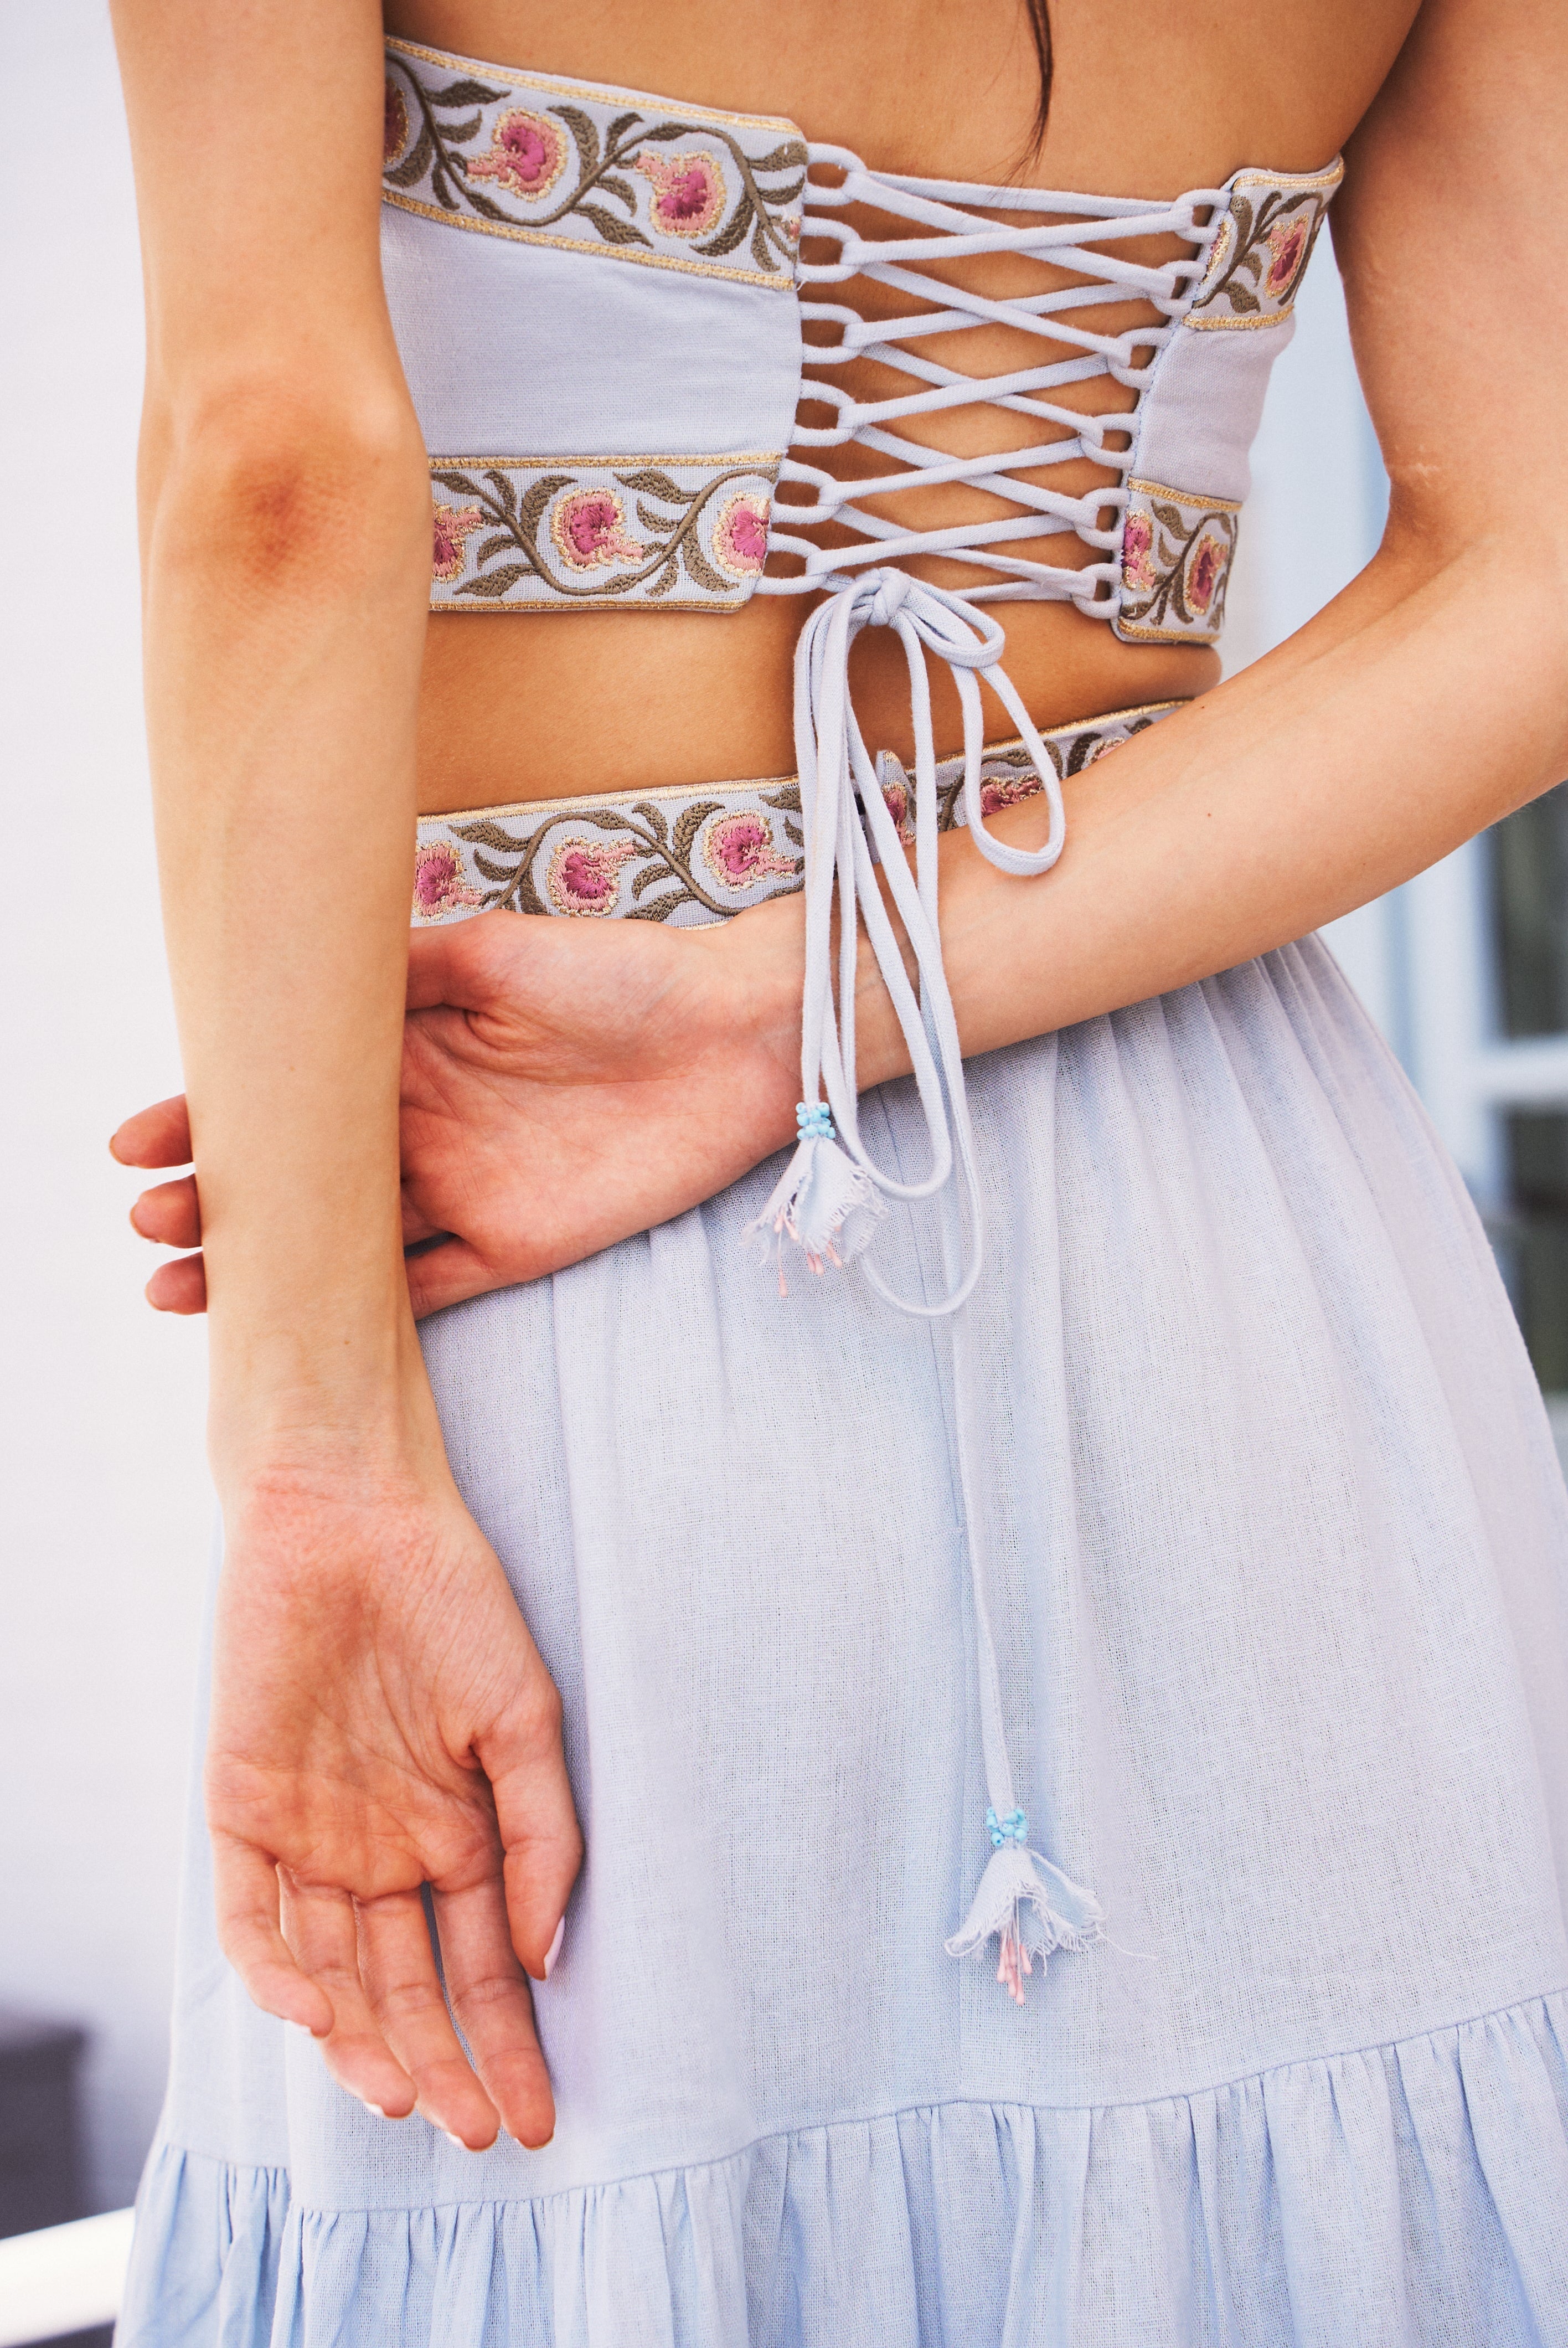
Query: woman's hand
[381, 1720]
[565, 1084]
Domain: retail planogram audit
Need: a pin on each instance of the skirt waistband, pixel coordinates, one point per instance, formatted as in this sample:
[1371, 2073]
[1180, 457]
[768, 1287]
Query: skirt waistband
[695, 853]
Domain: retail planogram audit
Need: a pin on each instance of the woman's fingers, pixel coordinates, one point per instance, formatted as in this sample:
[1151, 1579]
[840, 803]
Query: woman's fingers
[452, 964]
[170, 1213]
[158, 1136]
[245, 1892]
[319, 1925]
[523, 1759]
[397, 1966]
[446, 1275]
[178, 1287]
[489, 1994]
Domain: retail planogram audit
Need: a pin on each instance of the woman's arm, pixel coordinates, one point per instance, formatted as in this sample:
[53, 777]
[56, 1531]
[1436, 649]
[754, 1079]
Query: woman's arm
[380, 1715]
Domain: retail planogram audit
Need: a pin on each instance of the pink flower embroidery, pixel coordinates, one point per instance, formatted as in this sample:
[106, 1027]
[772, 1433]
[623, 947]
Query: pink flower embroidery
[395, 136]
[528, 154]
[1138, 571]
[585, 874]
[588, 527]
[1006, 790]
[741, 536]
[452, 526]
[1204, 568]
[1287, 244]
[740, 849]
[690, 194]
[896, 797]
[438, 884]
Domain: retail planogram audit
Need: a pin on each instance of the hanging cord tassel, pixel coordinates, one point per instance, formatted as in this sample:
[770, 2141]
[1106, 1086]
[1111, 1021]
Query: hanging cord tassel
[1030, 1907]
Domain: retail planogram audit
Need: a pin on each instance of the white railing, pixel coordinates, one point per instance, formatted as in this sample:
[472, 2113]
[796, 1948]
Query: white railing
[64, 2279]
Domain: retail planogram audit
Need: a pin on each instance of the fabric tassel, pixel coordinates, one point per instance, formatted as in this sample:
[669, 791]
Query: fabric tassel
[1033, 1909]
[823, 1203]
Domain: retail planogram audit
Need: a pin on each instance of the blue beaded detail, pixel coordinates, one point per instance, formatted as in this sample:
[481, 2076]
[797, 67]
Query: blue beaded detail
[814, 1120]
[1013, 1827]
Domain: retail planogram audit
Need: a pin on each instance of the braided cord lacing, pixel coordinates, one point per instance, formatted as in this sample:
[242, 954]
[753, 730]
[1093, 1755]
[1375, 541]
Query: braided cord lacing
[951, 211]
[832, 1192]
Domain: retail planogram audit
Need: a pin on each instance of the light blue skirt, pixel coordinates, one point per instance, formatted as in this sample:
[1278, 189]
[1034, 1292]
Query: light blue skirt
[1283, 1624]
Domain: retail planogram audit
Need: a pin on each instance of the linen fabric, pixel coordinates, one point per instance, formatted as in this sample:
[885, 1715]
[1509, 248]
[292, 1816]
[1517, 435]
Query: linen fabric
[1280, 1539]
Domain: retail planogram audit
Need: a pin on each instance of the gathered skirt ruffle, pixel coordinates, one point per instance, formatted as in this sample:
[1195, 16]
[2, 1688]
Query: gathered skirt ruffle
[1414, 2194]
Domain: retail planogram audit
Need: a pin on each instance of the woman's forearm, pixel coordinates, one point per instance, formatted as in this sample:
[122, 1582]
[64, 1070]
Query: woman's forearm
[285, 594]
[1416, 708]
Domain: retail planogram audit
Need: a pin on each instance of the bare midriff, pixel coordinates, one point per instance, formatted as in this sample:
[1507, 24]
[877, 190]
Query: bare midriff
[528, 706]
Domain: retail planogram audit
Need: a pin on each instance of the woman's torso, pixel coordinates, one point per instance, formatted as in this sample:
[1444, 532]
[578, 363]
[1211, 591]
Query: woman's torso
[533, 706]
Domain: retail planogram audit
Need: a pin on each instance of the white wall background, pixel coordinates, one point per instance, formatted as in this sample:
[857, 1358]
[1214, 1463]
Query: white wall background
[105, 1518]
[103, 1493]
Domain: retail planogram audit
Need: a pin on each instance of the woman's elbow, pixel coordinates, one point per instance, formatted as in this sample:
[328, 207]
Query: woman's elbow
[296, 491]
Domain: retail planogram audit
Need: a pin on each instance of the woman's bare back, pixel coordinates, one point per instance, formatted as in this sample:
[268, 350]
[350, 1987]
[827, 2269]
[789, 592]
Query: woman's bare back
[1146, 106]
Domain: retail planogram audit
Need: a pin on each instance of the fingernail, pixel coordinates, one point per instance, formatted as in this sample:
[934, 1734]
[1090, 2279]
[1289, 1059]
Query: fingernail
[553, 1951]
[455, 2139]
[373, 2107]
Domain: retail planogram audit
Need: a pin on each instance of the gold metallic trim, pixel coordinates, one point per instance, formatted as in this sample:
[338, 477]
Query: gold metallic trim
[777, 281]
[1187, 497]
[759, 461]
[1241, 324]
[536, 604]
[1133, 631]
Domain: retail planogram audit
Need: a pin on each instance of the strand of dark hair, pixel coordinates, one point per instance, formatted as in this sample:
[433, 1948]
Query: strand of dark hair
[1040, 34]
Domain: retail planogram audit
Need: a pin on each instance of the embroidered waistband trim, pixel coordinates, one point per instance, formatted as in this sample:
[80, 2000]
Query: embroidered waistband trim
[695, 853]
[548, 162]
[1260, 254]
[1177, 548]
[683, 533]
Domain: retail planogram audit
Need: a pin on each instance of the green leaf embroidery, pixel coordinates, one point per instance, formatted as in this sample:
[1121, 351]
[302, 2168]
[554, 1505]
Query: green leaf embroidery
[495, 584]
[585, 138]
[688, 825]
[726, 238]
[485, 834]
[651, 483]
[621, 189]
[659, 908]
[465, 93]
[790, 157]
[613, 230]
[699, 567]
[415, 164]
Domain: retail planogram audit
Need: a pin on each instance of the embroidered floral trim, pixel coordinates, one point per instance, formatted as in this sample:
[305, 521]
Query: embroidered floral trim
[452, 528]
[643, 864]
[528, 154]
[739, 849]
[740, 535]
[562, 533]
[696, 855]
[678, 190]
[1261, 250]
[1176, 553]
[439, 888]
